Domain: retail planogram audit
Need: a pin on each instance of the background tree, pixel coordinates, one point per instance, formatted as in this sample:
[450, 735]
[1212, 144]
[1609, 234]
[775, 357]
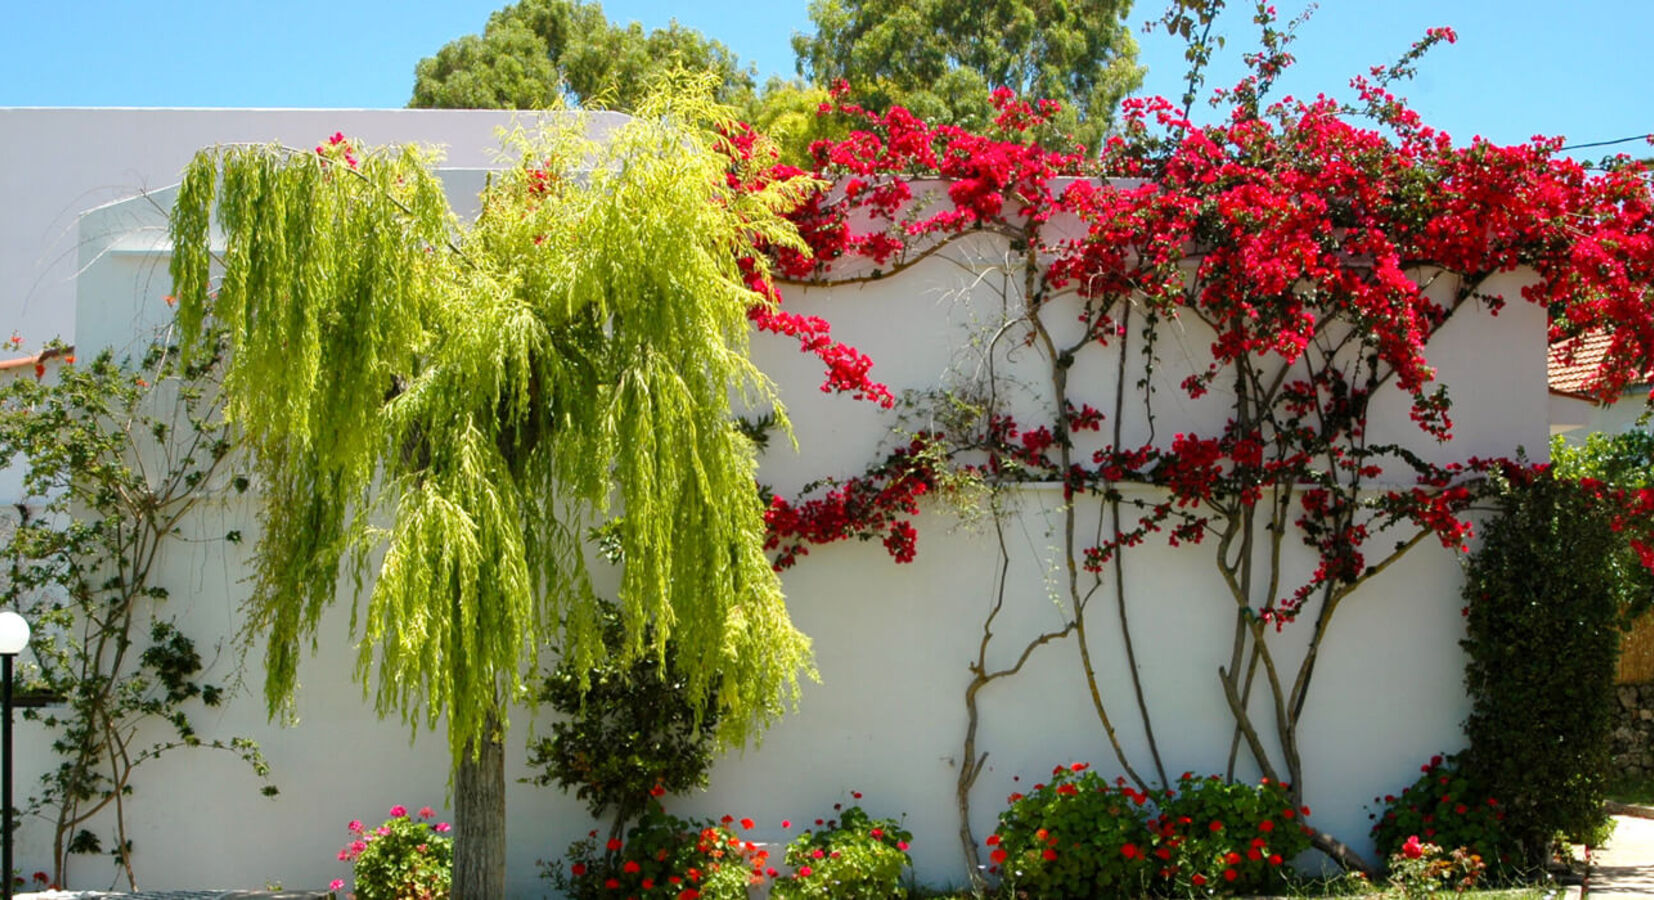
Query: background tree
[469, 400]
[941, 58]
[534, 52]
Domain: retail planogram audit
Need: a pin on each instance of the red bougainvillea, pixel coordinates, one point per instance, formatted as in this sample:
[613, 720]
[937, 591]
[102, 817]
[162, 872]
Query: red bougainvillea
[1313, 247]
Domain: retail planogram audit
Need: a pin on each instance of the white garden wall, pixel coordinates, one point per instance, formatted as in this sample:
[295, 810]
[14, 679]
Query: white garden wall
[892, 641]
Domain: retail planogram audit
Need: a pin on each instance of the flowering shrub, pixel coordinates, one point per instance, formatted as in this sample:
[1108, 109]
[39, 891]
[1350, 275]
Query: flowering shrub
[663, 856]
[1229, 836]
[849, 858]
[1080, 836]
[1447, 808]
[403, 859]
[1420, 870]
[1077, 836]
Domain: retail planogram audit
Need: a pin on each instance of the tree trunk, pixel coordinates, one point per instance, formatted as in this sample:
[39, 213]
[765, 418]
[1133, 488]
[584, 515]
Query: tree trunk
[479, 820]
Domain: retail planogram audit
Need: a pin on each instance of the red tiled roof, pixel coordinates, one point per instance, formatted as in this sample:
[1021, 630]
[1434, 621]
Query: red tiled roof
[1570, 364]
[42, 356]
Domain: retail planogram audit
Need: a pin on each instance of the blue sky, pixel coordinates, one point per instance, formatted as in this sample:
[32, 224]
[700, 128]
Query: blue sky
[1521, 67]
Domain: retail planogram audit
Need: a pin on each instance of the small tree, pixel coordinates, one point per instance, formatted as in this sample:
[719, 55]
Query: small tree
[628, 733]
[469, 398]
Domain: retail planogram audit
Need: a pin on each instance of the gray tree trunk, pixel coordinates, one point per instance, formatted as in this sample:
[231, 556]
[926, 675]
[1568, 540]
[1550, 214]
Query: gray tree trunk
[479, 820]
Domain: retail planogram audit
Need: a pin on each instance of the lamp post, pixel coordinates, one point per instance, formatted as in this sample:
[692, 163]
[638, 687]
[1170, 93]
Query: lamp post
[14, 636]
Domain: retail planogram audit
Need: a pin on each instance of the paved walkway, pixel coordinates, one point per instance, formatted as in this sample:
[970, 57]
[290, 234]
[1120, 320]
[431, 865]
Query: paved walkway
[1625, 868]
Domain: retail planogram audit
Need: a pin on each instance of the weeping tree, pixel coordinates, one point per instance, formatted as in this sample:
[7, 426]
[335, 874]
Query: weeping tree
[441, 410]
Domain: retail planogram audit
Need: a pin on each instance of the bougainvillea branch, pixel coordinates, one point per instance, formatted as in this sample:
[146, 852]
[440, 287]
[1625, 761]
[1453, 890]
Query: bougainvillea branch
[1321, 246]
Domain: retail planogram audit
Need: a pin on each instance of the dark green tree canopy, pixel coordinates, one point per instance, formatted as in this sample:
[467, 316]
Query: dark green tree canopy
[941, 58]
[537, 50]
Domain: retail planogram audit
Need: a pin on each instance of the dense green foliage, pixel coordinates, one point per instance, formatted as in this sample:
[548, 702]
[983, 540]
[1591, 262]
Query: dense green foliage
[1215, 827]
[117, 459]
[941, 58]
[1079, 836]
[535, 53]
[402, 859]
[850, 857]
[470, 400]
[1065, 839]
[630, 734]
[1449, 807]
[661, 855]
[1546, 606]
[1623, 461]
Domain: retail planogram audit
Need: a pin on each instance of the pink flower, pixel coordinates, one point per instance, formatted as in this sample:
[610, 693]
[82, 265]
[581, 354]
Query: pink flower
[441, 827]
[398, 811]
[425, 812]
[804, 871]
[786, 823]
[355, 826]
[337, 884]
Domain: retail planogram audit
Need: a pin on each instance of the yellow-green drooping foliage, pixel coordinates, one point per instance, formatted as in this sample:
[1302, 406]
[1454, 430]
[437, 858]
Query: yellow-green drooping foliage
[472, 398]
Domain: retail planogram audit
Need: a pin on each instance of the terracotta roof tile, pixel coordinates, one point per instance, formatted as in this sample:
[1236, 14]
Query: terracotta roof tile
[1570, 364]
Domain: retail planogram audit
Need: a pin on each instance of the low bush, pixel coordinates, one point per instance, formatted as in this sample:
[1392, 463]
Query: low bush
[402, 859]
[1076, 836]
[1419, 870]
[1448, 807]
[1081, 836]
[1229, 836]
[664, 856]
[852, 857]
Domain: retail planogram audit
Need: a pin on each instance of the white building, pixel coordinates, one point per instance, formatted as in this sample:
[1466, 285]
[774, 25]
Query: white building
[83, 251]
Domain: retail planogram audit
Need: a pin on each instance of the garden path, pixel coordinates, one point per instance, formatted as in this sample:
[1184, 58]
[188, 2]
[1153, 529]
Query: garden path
[1625, 868]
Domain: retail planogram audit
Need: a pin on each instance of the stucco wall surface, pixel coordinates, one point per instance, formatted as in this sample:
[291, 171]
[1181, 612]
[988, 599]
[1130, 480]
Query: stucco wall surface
[892, 641]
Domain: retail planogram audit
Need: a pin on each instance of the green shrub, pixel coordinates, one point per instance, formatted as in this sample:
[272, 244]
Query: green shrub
[628, 734]
[1448, 808]
[402, 859]
[1080, 836]
[664, 856]
[850, 858]
[1229, 836]
[1546, 598]
[1077, 836]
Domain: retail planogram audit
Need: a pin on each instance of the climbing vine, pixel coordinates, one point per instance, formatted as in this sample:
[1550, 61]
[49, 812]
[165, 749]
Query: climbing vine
[118, 460]
[1315, 249]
